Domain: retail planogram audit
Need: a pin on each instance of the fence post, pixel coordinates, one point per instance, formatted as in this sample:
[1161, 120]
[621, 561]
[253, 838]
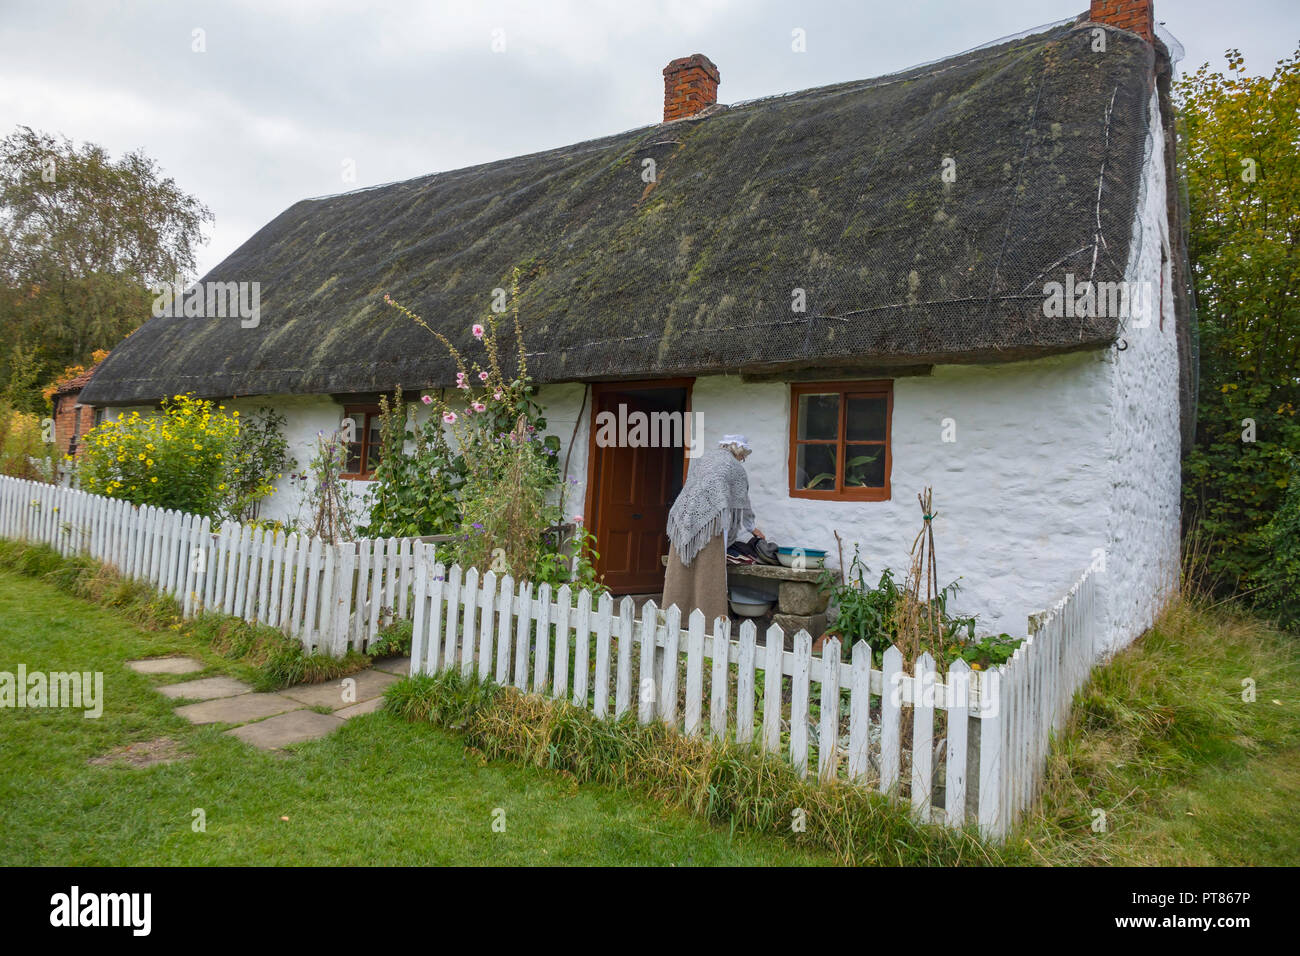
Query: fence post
[718, 683]
[890, 717]
[646, 695]
[954, 793]
[828, 734]
[991, 822]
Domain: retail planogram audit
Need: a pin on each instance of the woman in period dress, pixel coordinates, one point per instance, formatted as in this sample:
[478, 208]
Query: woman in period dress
[710, 512]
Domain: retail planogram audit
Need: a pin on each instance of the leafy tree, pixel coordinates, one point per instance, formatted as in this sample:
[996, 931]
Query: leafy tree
[1280, 575]
[82, 237]
[1243, 178]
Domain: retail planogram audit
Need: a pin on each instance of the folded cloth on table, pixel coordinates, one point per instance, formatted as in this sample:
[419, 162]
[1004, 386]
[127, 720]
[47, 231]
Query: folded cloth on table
[740, 552]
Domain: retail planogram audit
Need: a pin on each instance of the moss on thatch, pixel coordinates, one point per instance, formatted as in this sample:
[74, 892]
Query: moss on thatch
[837, 191]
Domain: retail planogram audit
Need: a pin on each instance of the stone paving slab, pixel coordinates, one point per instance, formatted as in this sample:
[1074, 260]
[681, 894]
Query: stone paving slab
[237, 710]
[208, 688]
[287, 729]
[365, 707]
[401, 666]
[369, 684]
[166, 665]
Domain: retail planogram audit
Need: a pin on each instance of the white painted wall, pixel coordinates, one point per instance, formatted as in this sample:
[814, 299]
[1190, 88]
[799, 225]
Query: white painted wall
[1142, 558]
[1016, 495]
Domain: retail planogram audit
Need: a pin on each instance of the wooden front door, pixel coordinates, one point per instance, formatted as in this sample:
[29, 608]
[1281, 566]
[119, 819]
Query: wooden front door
[632, 490]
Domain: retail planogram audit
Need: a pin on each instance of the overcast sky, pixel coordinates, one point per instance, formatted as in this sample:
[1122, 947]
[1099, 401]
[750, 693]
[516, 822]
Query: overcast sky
[287, 93]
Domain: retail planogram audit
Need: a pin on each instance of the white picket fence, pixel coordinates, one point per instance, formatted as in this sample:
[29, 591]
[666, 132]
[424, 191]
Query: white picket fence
[965, 747]
[1037, 687]
[961, 748]
[330, 597]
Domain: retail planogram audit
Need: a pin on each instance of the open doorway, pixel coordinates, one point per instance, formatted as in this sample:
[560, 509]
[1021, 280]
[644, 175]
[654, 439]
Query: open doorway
[633, 480]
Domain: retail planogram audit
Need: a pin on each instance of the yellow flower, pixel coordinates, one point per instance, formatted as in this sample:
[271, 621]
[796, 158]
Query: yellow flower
[154, 479]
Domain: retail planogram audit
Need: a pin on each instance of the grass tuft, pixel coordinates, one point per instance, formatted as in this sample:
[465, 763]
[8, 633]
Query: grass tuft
[1163, 744]
[723, 783]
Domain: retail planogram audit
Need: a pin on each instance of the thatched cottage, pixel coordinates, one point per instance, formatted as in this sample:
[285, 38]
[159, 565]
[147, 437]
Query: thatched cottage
[967, 275]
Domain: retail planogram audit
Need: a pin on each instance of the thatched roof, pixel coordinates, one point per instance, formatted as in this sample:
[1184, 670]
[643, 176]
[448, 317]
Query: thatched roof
[837, 191]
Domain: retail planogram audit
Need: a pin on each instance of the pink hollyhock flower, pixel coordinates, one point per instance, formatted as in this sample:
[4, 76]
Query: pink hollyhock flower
[497, 394]
[427, 400]
[482, 376]
[577, 519]
[479, 407]
[449, 417]
[477, 330]
[461, 381]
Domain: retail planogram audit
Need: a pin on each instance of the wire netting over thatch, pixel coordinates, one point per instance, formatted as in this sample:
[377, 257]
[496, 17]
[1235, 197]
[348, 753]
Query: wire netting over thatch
[838, 191]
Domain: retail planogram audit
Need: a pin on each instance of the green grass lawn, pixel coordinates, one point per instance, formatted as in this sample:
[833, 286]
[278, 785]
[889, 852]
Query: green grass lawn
[1186, 771]
[378, 791]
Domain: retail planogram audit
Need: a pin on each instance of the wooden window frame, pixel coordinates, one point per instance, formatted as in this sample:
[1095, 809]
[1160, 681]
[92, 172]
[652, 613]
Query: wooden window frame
[366, 411]
[877, 388]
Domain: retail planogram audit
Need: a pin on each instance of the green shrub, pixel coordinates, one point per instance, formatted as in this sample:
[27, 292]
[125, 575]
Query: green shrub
[502, 467]
[22, 452]
[262, 455]
[393, 640]
[414, 493]
[188, 458]
[1279, 577]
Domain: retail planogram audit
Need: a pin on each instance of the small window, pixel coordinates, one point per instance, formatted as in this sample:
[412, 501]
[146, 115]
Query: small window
[839, 440]
[363, 451]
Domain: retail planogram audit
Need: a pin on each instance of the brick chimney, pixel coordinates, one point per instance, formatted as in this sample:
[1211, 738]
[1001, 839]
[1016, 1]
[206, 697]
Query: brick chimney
[690, 85]
[1133, 15]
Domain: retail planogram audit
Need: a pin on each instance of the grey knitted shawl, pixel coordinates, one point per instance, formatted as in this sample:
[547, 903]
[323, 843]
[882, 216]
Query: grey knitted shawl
[714, 499]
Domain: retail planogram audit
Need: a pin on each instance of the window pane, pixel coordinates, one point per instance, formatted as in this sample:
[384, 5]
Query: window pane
[352, 424]
[815, 468]
[864, 466]
[819, 416]
[374, 448]
[866, 418]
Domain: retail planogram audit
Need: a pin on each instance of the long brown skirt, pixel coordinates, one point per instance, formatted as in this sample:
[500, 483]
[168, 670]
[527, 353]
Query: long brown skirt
[702, 584]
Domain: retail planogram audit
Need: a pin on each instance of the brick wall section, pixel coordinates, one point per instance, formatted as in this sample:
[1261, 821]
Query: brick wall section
[69, 416]
[1136, 16]
[690, 85]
